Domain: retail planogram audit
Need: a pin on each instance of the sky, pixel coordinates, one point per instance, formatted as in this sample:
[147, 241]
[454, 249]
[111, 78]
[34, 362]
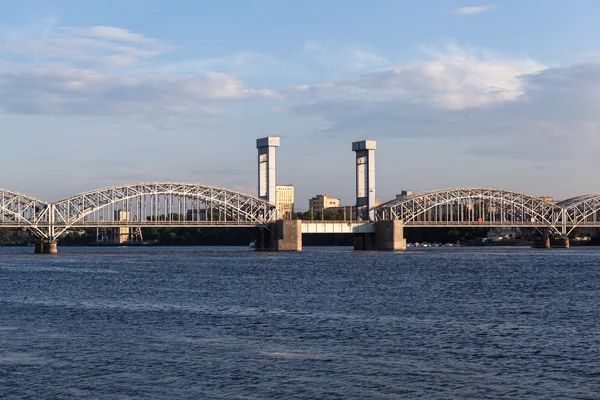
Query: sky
[498, 94]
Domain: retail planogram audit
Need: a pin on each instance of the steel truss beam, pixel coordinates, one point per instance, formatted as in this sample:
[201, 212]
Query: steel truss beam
[169, 204]
[156, 204]
[21, 211]
[472, 207]
[581, 211]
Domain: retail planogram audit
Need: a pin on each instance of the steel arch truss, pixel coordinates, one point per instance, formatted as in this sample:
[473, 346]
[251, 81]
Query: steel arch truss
[20, 211]
[161, 204]
[581, 211]
[167, 204]
[471, 207]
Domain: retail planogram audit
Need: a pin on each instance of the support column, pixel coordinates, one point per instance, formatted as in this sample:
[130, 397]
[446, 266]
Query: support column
[46, 247]
[267, 172]
[283, 235]
[561, 243]
[122, 234]
[548, 242]
[389, 235]
[365, 178]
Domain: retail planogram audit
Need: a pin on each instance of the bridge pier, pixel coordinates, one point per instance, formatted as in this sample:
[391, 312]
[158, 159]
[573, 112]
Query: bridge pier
[555, 243]
[283, 235]
[542, 242]
[561, 243]
[389, 235]
[46, 247]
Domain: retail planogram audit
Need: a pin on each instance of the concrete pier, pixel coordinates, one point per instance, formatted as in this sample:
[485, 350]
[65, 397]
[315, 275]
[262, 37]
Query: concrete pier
[561, 243]
[286, 235]
[46, 247]
[283, 235]
[554, 243]
[389, 235]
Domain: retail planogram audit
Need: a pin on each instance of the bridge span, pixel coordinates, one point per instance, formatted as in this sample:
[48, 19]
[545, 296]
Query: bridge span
[175, 204]
[486, 207]
[156, 204]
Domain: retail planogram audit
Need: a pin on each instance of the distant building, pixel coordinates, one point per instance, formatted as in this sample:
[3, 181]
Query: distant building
[321, 202]
[284, 199]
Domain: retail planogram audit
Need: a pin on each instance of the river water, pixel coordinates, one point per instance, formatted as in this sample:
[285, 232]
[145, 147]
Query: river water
[229, 323]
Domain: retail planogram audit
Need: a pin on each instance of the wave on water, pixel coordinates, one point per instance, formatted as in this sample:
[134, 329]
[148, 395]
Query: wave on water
[297, 355]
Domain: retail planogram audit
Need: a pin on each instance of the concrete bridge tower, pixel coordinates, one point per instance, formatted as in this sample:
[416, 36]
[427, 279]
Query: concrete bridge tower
[388, 235]
[365, 178]
[267, 171]
[281, 235]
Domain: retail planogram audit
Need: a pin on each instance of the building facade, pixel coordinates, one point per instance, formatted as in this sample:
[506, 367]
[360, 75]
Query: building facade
[284, 200]
[321, 202]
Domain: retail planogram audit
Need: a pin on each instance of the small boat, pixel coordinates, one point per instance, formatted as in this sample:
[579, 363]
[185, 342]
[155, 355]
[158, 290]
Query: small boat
[252, 245]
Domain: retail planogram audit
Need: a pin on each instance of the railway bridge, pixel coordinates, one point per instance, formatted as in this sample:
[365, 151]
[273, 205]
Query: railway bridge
[176, 204]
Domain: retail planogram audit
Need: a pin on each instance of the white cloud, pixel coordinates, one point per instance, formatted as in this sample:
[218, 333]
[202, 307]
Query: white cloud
[472, 10]
[93, 46]
[347, 57]
[242, 64]
[515, 103]
[84, 92]
[502, 107]
[110, 32]
[93, 71]
[454, 79]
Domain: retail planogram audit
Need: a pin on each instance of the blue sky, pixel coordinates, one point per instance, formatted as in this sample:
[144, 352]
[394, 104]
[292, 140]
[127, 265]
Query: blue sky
[501, 94]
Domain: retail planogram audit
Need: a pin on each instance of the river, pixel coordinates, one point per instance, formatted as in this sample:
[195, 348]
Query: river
[327, 323]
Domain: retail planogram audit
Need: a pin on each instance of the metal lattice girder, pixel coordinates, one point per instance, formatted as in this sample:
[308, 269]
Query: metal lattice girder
[168, 204]
[20, 211]
[580, 211]
[162, 204]
[472, 207]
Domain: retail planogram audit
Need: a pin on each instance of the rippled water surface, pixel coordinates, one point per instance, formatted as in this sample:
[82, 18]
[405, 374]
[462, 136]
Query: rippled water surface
[214, 323]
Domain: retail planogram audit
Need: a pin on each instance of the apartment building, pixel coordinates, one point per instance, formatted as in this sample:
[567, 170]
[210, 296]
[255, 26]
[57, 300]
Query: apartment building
[321, 202]
[284, 200]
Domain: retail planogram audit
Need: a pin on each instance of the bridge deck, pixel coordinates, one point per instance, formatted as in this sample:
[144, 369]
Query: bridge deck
[337, 227]
[307, 226]
[492, 224]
